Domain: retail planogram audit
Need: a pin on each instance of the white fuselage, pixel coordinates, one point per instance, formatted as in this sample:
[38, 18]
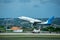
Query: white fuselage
[29, 19]
[32, 20]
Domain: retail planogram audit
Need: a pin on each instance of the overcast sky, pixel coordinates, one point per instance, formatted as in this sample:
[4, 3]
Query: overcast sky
[30, 8]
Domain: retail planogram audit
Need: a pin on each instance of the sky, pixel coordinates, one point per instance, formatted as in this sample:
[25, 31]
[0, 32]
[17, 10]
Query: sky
[29, 8]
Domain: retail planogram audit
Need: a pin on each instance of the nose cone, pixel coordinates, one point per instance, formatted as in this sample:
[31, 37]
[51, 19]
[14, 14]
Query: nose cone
[21, 17]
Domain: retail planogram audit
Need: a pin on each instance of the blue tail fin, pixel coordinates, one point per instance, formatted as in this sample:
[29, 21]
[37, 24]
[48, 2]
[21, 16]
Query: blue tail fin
[49, 21]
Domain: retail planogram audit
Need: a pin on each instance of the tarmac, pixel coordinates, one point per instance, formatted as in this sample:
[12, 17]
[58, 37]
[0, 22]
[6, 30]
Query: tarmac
[30, 35]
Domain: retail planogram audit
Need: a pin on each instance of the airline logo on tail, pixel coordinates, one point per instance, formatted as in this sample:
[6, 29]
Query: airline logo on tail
[50, 20]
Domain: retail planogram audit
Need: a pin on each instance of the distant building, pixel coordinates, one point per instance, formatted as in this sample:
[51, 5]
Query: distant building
[16, 29]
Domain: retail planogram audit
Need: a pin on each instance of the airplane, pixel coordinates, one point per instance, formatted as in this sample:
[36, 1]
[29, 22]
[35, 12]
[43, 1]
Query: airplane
[36, 21]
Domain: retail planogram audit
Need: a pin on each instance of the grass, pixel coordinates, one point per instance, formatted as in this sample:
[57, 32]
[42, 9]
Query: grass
[29, 37]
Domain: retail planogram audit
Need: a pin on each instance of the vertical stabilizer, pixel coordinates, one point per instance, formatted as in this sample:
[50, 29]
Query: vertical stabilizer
[49, 21]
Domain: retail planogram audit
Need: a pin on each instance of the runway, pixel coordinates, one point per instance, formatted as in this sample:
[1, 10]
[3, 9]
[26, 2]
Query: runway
[30, 35]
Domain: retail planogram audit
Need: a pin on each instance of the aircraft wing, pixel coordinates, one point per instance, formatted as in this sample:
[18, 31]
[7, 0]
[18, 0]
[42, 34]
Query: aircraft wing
[31, 20]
